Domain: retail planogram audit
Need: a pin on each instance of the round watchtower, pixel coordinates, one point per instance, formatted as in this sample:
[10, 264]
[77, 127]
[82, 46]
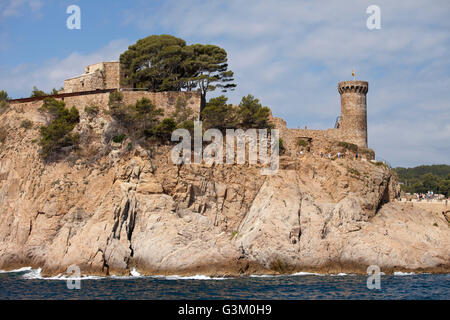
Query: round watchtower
[353, 121]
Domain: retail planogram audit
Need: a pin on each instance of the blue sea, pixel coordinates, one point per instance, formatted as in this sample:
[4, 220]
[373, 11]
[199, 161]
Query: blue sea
[28, 284]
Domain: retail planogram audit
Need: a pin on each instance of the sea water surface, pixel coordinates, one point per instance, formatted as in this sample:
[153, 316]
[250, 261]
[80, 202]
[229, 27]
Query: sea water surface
[26, 283]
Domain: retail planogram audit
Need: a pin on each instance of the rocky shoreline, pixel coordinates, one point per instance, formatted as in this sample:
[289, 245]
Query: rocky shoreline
[110, 209]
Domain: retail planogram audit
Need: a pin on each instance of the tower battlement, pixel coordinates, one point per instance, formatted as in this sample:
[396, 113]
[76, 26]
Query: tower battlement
[353, 86]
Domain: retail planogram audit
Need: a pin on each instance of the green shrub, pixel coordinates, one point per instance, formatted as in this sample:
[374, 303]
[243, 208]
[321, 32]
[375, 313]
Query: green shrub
[56, 91]
[92, 110]
[182, 111]
[349, 146]
[3, 101]
[188, 125]
[218, 114]
[3, 95]
[119, 138]
[368, 152]
[302, 143]
[3, 134]
[116, 107]
[57, 134]
[115, 99]
[163, 131]
[4, 105]
[381, 164]
[281, 147]
[37, 93]
[354, 171]
[138, 119]
[251, 114]
[26, 124]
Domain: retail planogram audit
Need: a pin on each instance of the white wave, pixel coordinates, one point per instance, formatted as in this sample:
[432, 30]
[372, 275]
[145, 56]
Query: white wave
[16, 270]
[71, 278]
[340, 274]
[36, 274]
[307, 274]
[196, 277]
[33, 274]
[135, 273]
[399, 273]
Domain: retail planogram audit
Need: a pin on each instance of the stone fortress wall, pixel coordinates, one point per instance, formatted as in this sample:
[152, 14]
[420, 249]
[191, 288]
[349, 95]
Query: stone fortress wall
[94, 86]
[163, 100]
[351, 126]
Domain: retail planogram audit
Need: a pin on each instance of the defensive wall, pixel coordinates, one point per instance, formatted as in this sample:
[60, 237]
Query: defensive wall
[94, 86]
[350, 128]
[164, 100]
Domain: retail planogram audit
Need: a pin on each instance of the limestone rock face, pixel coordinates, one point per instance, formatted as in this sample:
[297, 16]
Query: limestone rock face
[120, 208]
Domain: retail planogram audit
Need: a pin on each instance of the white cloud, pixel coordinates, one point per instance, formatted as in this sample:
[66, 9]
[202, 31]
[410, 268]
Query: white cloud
[12, 8]
[291, 54]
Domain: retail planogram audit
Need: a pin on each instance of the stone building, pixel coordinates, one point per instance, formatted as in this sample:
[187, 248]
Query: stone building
[99, 76]
[93, 87]
[353, 120]
[351, 126]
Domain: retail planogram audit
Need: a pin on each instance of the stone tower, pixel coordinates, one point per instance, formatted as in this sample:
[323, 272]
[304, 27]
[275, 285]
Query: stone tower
[353, 121]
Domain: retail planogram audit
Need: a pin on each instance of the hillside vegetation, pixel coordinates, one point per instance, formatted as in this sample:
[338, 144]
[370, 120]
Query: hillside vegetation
[422, 179]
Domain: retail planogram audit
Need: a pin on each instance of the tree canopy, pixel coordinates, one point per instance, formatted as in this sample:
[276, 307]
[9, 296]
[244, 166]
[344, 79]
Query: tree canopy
[422, 179]
[37, 93]
[248, 114]
[3, 95]
[166, 63]
[57, 134]
[3, 101]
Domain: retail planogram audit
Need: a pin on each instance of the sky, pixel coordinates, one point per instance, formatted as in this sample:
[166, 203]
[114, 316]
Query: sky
[290, 54]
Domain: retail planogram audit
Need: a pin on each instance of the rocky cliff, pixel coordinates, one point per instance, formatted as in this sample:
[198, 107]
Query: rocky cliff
[109, 208]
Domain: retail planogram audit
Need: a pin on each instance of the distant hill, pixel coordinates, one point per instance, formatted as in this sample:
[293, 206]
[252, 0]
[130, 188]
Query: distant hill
[421, 179]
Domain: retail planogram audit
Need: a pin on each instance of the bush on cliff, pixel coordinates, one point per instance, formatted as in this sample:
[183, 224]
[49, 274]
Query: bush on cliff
[57, 134]
[3, 134]
[218, 114]
[163, 131]
[138, 119]
[37, 93]
[119, 138]
[3, 95]
[3, 101]
[349, 146]
[249, 114]
[281, 146]
[92, 111]
[182, 112]
[26, 124]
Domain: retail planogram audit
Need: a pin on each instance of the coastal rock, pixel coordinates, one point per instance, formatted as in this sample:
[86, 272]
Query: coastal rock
[121, 207]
